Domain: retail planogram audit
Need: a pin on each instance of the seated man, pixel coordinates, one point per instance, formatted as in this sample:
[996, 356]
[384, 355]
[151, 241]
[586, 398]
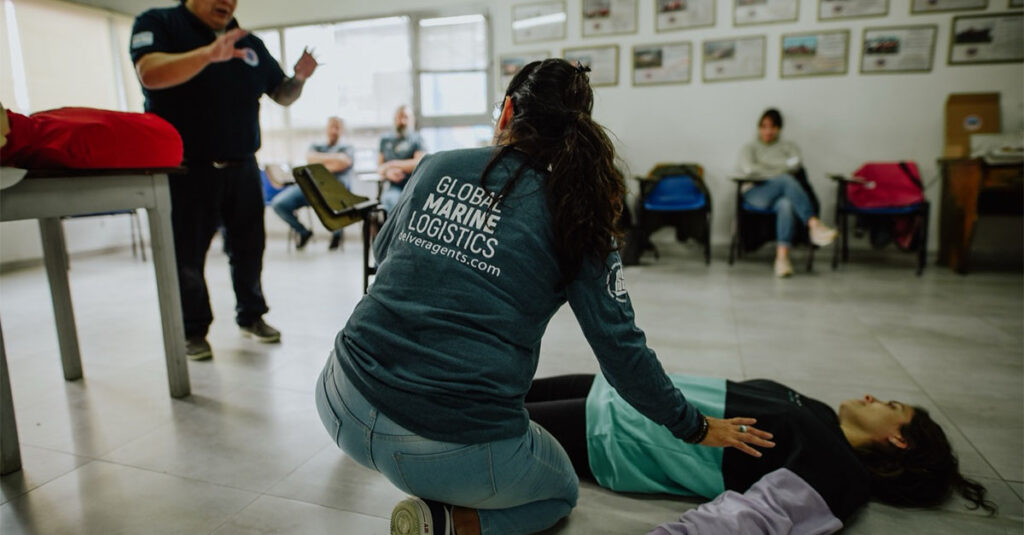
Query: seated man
[337, 158]
[400, 151]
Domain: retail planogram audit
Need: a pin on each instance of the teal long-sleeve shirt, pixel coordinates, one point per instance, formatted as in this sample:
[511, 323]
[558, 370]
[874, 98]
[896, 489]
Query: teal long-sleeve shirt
[447, 340]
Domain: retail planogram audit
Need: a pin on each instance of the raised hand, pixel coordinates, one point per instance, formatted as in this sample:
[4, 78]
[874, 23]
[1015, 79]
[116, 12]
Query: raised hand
[305, 66]
[223, 48]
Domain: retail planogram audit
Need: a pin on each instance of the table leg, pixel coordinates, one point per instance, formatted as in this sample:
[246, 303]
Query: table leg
[10, 451]
[161, 238]
[55, 259]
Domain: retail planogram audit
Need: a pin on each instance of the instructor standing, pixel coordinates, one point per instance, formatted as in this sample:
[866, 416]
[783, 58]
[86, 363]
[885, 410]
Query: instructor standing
[205, 75]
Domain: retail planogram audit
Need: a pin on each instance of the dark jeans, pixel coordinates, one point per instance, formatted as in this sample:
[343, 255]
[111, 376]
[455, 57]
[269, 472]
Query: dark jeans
[559, 405]
[203, 200]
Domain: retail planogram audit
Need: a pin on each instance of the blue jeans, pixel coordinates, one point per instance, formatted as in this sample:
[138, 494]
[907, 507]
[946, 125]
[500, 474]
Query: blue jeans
[389, 197]
[286, 203]
[518, 485]
[786, 197]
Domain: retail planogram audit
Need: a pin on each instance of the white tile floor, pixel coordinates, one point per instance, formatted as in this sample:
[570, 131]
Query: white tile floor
[246, 453]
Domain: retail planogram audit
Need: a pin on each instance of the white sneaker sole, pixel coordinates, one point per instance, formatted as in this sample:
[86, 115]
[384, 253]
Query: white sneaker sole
[411, 517]
[205, 355]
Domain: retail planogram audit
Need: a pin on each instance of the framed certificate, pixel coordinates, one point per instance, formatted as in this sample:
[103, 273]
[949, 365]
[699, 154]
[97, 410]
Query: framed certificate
[996, 38]
[814, 54]
[931, 6]
[733, 59]
[608, 17]
[663, 63]
[544, 21]
[898, 49]
[509, 65]
[851, 9]
[602, 60]
[764, 11]
[682, 14]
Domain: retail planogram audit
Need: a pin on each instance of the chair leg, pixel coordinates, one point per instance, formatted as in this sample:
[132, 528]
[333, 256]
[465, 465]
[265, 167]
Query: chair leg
[839, 238]
[707, 239]
[845, 239]
[922, 257]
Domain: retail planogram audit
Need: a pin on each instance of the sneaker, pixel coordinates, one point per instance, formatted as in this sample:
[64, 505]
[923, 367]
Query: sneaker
[261, 332]
[415, 516]
[783, 267]
[336, 240]
[303, 240]
[822, 235]
[197, 348]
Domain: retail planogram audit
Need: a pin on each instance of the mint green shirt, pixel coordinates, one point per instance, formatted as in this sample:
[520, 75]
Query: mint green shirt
[630, 453]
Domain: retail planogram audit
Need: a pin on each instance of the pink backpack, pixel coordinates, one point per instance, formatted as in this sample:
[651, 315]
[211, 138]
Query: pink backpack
[888, 185]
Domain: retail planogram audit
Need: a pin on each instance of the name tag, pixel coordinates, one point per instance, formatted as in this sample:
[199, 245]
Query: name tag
[142, 39]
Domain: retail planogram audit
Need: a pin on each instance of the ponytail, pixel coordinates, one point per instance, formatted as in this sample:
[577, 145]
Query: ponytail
[552, 125]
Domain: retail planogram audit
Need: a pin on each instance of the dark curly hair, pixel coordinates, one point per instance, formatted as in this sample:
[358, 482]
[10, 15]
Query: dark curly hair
[552, 101]
[924, 474]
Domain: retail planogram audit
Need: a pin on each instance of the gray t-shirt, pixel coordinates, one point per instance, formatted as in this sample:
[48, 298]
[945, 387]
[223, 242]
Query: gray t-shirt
[345, 177]
[447, 340]
[396, 147]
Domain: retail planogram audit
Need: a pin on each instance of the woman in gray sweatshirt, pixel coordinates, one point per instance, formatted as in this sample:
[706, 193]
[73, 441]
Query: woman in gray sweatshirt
[776, 160]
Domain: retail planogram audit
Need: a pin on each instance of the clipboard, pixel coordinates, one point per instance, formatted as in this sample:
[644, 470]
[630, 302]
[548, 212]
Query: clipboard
[334, 204]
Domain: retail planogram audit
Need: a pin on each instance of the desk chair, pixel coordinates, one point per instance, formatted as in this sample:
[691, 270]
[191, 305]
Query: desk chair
[886, 194]
[337, 207]
[753, 226]
[671, 194]
[138, 239]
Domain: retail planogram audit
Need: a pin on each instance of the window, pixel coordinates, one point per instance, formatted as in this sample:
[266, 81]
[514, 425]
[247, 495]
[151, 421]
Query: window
[365, 72]
[453, 81]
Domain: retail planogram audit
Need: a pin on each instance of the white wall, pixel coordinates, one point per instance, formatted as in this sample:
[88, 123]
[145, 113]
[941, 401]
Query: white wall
[838, 121]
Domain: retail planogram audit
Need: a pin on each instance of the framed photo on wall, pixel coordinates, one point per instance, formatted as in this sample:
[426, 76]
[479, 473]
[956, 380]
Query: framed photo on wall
[898, 49]
[682, 14]
[532, 23]
[931, 6]
[764, 11]
[663, 63]
[1016, 3]
[602, 60]
[509, 65]
[996, 38]
[733, 59]
[608, 17]
[851, 9]
[814, 54]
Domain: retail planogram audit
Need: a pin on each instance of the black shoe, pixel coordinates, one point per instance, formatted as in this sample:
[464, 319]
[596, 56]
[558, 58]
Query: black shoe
[303, 240]
[336, 240]
[261, 332]
[197, 348]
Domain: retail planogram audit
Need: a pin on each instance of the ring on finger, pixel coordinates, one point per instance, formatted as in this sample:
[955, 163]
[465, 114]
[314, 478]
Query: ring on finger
[743, 428]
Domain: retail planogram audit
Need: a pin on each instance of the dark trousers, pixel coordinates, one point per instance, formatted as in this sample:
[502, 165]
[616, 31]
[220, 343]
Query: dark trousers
[202, 201]
[559, 405]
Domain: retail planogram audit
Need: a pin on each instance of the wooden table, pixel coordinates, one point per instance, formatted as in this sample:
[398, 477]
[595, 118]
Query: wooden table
[50, 195]
[964, 181]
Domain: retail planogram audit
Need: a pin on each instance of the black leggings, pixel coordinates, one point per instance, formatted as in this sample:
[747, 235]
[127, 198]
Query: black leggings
[559, 404]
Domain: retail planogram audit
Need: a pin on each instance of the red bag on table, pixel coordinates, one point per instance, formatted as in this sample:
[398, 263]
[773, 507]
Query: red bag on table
[89, 138]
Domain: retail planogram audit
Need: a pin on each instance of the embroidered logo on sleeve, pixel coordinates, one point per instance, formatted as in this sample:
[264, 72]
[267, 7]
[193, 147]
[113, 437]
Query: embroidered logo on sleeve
[617, 283]
[142, 39]
[251, 58]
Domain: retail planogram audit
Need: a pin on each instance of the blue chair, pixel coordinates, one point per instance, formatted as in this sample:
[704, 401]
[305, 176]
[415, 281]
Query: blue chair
[672, 195]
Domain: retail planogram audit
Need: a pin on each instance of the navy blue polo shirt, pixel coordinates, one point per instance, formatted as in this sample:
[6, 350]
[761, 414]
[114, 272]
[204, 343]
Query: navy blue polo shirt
[217, 111]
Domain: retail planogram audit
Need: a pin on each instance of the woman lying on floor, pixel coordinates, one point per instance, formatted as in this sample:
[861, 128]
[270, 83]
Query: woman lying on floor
[822, 470]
